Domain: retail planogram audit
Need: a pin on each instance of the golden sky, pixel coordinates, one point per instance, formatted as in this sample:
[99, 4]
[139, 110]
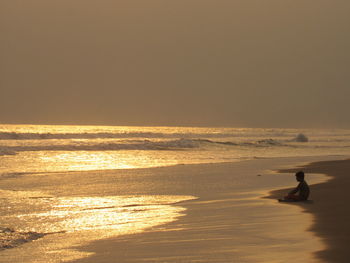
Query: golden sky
[255, 63]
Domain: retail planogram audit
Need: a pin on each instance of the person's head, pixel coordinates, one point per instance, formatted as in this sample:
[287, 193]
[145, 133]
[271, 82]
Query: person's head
[300, 176]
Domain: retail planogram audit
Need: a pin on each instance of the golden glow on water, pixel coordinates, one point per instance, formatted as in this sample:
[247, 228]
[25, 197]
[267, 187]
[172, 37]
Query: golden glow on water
[83, 161]
[58, 148]
[73, 221]
[66, 129]
[52, 160]
[120, 215]
[61, 161]
[80, 207]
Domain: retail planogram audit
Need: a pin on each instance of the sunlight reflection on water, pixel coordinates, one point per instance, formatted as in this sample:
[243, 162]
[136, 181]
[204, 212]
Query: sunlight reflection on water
[122, 214]
[83, 219]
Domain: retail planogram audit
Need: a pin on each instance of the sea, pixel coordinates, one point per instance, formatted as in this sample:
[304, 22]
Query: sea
[40, 148]
[39, 163]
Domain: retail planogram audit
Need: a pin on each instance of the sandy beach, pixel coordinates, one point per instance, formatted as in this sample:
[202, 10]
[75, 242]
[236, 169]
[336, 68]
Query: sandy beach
[230, 219]
[229, 222]
[211, 238]
[330, 208]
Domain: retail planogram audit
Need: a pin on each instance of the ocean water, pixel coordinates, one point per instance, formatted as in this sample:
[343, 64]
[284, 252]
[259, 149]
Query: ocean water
[77, 184]
[33, 149]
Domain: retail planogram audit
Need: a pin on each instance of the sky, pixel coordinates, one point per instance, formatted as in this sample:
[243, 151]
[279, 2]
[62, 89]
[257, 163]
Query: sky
[233, 63]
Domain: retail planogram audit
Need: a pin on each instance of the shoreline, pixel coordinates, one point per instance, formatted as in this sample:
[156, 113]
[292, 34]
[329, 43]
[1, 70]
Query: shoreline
[226, 224]
[209, 232]
[329, 208]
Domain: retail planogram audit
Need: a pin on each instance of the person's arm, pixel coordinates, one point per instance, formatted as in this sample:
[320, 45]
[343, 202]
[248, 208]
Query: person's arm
[294, 191]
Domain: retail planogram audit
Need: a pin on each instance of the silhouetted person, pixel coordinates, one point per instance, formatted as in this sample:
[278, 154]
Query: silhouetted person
[302, 189]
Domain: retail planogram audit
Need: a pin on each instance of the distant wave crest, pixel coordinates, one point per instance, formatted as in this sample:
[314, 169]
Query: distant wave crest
[178, 144]
[106, 135]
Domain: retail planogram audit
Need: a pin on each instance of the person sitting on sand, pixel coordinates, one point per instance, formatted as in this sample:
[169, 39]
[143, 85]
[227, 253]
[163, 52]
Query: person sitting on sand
[302, 188]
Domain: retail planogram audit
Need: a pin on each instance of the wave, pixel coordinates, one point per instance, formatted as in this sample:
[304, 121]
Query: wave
[4, 135]
[164, 145]
[169, 145]
[107, 135]
[130, 145]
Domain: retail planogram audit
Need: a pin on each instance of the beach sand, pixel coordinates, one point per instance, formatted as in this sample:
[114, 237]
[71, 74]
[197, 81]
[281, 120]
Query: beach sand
[224, 225]
[230, 221]
[330, 208]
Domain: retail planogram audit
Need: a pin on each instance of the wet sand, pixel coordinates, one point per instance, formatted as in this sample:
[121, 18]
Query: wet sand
[329, 206]
[223, 225]
[229, 222]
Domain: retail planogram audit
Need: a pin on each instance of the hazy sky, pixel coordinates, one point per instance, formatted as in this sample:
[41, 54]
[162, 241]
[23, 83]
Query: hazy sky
[251, 63]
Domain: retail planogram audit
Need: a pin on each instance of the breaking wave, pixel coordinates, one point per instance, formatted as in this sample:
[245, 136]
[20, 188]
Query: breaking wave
[169, 145]
[6, 135]
[106, 135]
